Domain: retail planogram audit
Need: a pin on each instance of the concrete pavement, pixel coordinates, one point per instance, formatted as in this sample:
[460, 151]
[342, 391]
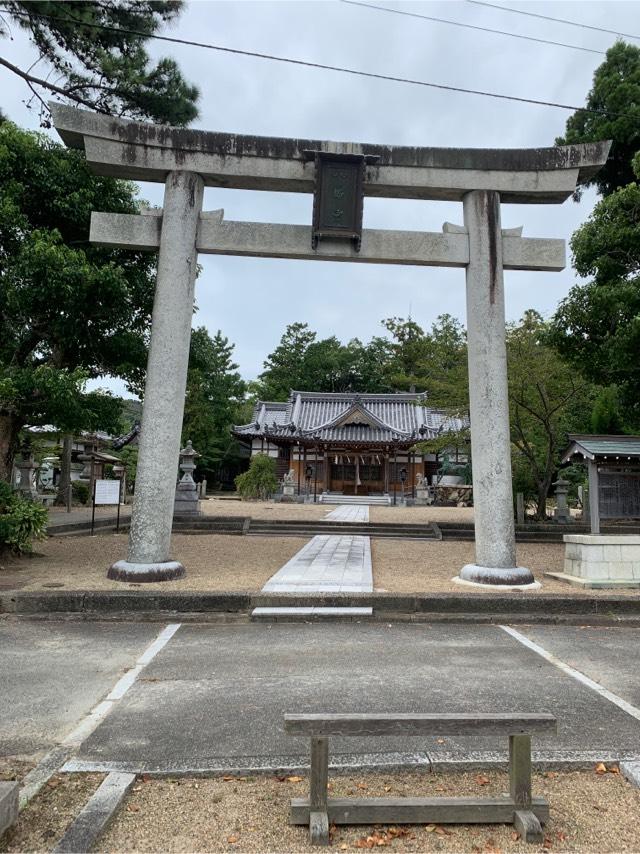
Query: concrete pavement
[214, 696]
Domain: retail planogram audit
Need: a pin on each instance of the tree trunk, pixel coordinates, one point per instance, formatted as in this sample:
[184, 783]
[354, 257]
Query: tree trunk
[543, 492]
[63, 497]
[10, 428]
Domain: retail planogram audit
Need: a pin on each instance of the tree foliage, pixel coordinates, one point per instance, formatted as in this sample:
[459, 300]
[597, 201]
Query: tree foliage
[303, 363]
[21, 521]
[215, 392]
[260, 480]
[69, 311]
[97, 53]
[616, 94]
[546, 400]
[597, 326]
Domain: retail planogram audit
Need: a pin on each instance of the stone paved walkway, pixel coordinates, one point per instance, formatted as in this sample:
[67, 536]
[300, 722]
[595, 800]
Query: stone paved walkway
[326, 564]
[349, 513]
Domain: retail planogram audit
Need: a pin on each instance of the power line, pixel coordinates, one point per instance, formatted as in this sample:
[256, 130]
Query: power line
[324, 67]
[471, 26]
[555, 20]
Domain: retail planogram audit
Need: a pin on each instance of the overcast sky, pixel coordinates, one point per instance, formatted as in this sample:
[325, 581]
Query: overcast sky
[251, 300]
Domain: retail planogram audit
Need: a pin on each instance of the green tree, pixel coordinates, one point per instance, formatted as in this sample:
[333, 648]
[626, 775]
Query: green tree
[435, 361]
[215, 393]
[283, 368]
[97, 56]
[69, 310]
[615, 93]
[597, 327]
[546, 400]
[260, 480]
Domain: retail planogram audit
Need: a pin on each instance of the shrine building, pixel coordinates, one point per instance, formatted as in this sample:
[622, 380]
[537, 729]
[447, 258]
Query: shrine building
[350, 444]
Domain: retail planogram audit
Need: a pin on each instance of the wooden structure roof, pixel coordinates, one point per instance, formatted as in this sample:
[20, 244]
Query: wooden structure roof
[610, 448]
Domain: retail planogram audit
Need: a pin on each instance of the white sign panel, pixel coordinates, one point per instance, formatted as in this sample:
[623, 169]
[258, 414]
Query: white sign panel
[107, 492]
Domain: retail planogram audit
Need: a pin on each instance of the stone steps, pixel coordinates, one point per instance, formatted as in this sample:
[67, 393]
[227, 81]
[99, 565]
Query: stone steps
[333, 498]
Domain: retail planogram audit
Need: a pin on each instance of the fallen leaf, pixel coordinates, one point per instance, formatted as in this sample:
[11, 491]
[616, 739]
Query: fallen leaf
[482, 779]
[600, 768]
[561, 835]
[547, 843]
[430, 828]
[133, 808]
[387, 788]
[443, 831]
[440, 741]
[613, 769]
[295, 779]
[515, 836]
[146, 778]
[232, 839]
[227, 778]
[551, 774]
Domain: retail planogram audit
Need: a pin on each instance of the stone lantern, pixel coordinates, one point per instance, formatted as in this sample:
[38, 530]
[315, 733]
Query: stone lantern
[27, 468]
[119, 471]
[187, 501]
[561, 513]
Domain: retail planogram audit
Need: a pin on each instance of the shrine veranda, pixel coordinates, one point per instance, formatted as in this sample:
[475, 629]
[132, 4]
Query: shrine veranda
[188, 160]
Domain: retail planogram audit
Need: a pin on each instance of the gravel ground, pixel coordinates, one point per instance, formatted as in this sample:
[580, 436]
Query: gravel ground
[410, 566]
[272, 510]
[213, 562]
[44, 820]
[588, 813]
[234, 563]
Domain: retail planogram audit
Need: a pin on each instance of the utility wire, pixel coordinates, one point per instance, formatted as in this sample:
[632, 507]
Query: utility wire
[324, 67]
[470, 26]
[555, 20]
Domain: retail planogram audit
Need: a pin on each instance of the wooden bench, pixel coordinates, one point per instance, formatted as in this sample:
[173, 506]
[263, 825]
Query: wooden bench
[519, 807]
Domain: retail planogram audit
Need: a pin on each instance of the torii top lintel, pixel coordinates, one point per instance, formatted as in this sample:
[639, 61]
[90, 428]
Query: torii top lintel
[147, 152]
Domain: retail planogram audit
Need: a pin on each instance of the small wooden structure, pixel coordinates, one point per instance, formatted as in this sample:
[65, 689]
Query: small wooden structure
[613, 464]
[319, 811]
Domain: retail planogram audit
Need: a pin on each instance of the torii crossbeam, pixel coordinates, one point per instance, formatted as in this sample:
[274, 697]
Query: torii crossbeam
[187, 160]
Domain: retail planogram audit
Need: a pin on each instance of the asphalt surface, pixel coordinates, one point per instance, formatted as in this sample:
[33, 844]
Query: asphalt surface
[53, 674]
[215, 696]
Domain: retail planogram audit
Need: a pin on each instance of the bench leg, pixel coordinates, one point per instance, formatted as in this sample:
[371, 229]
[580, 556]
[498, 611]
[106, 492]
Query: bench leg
[318, 816]
[524, 820]
[527, 825]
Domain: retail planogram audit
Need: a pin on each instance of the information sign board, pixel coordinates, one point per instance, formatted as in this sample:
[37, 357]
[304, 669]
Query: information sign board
[107, 492]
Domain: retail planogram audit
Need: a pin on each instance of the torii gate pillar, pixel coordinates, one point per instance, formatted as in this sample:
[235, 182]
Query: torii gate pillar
[489, 398]
[148, 558]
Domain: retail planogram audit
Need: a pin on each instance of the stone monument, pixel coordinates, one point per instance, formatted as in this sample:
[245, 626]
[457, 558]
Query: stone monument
[288, 481]
[423, 492]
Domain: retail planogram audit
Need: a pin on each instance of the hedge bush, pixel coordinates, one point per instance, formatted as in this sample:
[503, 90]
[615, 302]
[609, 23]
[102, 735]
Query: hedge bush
[21, 521]
[260, 480]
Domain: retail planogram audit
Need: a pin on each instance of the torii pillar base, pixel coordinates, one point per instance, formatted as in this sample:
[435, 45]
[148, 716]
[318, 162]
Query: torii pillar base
[138, 573]
[511, 578]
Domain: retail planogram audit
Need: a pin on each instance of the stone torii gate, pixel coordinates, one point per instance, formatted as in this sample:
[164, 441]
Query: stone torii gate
[187, 160]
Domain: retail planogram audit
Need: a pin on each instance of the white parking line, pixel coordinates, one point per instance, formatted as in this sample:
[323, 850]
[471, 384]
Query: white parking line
[634, 711]
[50, 764]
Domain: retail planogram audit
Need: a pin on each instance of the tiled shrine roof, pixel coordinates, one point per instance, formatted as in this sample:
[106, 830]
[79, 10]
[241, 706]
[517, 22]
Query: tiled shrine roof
[610, 448]
[348, 419]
